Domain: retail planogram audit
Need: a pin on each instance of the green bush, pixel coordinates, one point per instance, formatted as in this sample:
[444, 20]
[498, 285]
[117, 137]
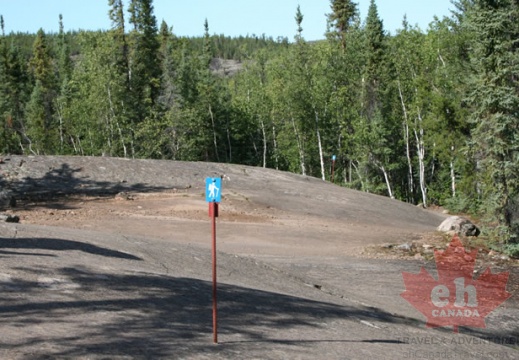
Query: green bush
[512, 250]
[461, 204]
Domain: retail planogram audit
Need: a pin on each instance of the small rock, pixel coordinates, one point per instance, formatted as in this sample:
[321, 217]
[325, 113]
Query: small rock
[418, 256]
[388, 246]
[427, 246]
[124, 196]
[7, 199]
[405, 247]
[9, 218]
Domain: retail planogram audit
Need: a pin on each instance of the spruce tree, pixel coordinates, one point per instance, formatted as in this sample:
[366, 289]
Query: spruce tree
[124, 103]
[146, 69]
[14, 89]
[374, 56]
[121, 56]
[64, 76]
[378, 132]
[299, 20]
[344, 13]
[42, 129]
[494, 98]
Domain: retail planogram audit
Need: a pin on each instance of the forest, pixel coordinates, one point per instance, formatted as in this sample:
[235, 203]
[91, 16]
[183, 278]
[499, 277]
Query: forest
[429, 117]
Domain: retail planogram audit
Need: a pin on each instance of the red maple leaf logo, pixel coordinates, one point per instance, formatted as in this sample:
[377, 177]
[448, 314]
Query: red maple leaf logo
[455, 298]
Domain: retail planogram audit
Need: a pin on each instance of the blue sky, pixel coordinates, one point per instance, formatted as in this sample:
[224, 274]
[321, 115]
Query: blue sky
[229, 17]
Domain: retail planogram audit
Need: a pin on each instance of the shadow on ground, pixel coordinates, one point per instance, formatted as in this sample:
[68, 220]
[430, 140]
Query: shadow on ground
[130, 312]
[156, 316]
[59, 245]
[63, 181]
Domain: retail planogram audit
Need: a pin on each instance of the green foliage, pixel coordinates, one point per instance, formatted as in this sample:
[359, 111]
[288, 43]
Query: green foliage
[495, 100]
[13, 95]
[512, 249]
[425, 116]
[41, 61]
[42, 132]
[461, 204]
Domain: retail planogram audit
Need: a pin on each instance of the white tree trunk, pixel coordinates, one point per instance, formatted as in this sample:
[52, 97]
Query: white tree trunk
[453, 175]
[229, 142]
[388, 184]
[214, 134]
[112, 110]
[276, 159]
[264, 143]
[420, 147]
[319, 144]
[122, 141]
[358, 174]
[61, 139]
[410, 181]
[300, 148]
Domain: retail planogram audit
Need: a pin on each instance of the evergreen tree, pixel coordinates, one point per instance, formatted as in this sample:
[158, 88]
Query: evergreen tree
[208, 52]
[3, 79]
[64, 75]
[145, 59]
[494, 97]
[14, 88]
[122, 100]
[42, 130]
[299, 20]
[340, 20]
[375, 52]
[446, 120]
[5, 116]
[65, 64]
[378, 132]
[122, 62]
[168, 60]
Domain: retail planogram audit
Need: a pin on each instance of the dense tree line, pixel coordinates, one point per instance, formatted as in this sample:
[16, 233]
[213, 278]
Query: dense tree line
[429, 117]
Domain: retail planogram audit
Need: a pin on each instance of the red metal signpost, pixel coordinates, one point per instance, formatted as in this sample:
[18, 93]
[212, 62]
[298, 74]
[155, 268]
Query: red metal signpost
[213, 195]
[333, 165]
[213, 213]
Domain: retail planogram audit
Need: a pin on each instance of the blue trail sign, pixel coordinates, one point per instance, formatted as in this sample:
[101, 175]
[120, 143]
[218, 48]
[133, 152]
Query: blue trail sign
[213, 190]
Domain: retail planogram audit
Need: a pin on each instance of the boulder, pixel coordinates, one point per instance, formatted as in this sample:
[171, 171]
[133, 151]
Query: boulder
[7, 199]
[9, 218]
[459, 225]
